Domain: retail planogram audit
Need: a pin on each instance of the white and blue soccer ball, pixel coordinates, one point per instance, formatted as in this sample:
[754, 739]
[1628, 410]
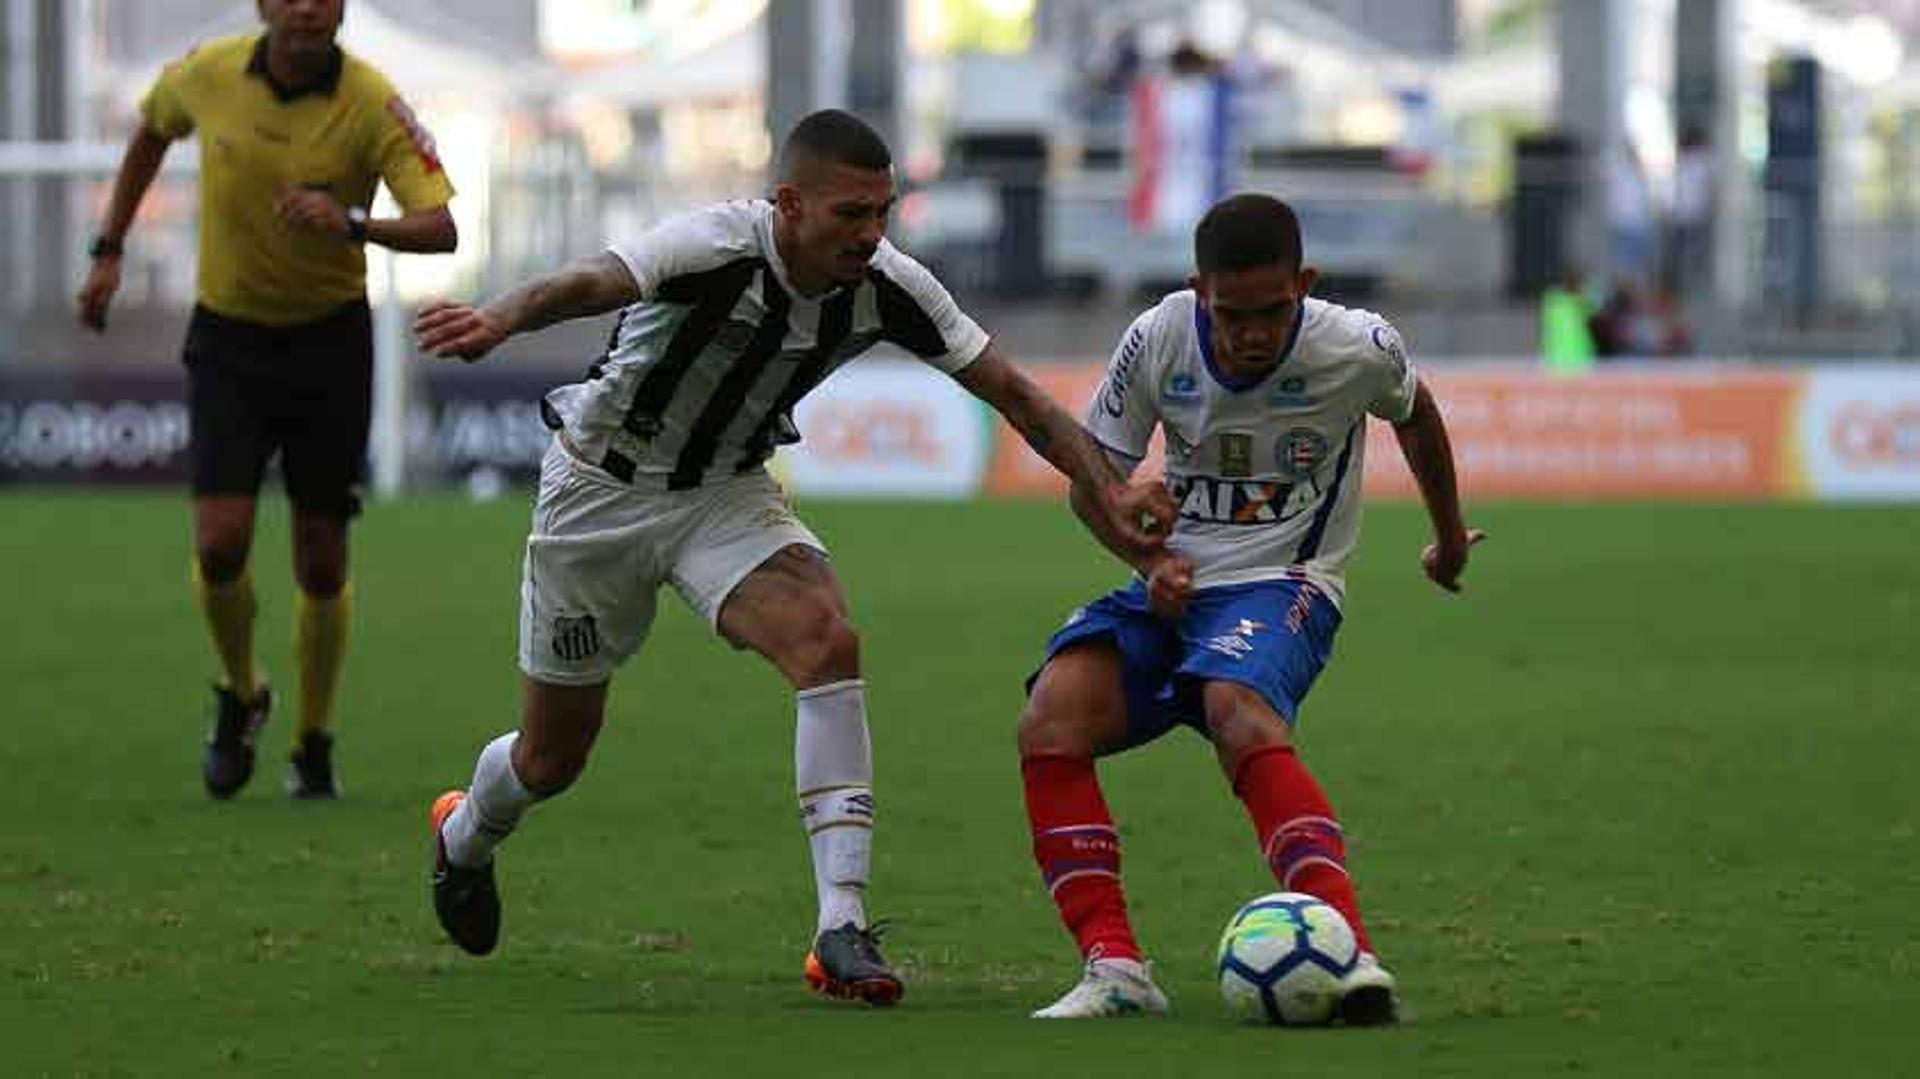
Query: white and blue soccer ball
[1284, 958]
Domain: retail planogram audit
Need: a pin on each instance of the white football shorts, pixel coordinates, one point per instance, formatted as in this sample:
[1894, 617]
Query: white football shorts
[600, 549]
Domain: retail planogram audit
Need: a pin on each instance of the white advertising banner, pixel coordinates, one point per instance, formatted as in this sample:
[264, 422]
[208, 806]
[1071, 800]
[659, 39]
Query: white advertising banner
[886, 428]
[1859, 432]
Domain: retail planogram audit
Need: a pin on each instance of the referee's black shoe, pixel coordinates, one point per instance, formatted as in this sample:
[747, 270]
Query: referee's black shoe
[310, 769]
[228, 761]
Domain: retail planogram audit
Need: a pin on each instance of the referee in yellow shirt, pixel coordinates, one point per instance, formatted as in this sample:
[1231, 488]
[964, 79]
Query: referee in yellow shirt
[295, 134]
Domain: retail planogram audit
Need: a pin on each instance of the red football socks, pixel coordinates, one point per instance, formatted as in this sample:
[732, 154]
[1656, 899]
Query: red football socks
[1079, 854]
[1298, 833]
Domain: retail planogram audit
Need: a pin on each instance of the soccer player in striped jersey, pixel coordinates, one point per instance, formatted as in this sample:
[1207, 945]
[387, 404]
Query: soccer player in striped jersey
[1263, 394]
[728, 316]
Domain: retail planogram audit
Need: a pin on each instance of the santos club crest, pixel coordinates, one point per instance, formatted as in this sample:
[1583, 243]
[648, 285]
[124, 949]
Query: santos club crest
[574, 639]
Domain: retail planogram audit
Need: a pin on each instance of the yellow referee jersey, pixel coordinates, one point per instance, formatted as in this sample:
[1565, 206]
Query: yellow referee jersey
[342, 136]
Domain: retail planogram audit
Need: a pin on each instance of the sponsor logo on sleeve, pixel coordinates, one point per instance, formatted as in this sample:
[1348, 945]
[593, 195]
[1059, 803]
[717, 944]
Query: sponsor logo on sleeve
[1113, 395]
[1387, 340]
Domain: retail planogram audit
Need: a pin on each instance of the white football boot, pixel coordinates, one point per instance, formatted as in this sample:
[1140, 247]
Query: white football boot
[1367, 998]
[1111, 988]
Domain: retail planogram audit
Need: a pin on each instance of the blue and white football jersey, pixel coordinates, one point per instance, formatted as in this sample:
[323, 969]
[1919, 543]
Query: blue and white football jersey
[702, 372]
[1267, 473]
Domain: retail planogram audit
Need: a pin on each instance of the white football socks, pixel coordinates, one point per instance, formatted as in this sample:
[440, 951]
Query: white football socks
[833, 771]
[492, 807]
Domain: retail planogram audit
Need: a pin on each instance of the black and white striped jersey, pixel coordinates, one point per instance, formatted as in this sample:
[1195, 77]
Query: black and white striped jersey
[701, 375]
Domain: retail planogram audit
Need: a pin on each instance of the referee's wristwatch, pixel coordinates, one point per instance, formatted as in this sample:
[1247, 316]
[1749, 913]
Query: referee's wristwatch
[357, 224]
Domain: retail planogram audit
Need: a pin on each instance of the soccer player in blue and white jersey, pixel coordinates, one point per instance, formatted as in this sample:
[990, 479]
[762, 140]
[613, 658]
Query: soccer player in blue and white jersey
[1263, 394]
[728, 316]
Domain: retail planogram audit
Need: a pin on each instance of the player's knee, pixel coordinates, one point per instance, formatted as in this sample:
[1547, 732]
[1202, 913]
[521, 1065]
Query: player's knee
[827, 650]
[221, 558]
[320, 578]
[1051, 732]
[546, 770]
[1240, 721]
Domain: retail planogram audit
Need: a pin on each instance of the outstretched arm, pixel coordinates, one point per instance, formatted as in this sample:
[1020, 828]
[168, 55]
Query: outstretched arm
[1429, 453]
[590, 287]
[145, 151]
[1132, 520]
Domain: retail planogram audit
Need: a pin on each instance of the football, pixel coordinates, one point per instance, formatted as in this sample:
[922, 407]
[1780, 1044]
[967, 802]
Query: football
[1282, 959]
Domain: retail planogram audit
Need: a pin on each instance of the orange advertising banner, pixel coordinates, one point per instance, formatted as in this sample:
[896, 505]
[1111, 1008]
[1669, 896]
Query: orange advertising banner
[1519, 432]
[1608, 434]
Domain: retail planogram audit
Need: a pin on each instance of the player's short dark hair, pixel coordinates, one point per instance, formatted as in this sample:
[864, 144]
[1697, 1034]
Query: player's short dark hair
[833, 137]
[1243, 231]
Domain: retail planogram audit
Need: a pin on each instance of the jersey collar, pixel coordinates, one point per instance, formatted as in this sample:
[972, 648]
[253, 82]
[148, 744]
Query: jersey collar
[325, 85]
[1203, 332]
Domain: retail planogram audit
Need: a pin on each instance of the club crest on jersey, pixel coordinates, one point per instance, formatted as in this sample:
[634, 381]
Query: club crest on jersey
[1231, 502]
[1181, 388]
[1236, 455]
[1291, 392]
[1300, 452]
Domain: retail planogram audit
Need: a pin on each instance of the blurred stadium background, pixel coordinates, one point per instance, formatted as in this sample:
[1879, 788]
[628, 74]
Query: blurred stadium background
[1456, 163]
[1640, 803]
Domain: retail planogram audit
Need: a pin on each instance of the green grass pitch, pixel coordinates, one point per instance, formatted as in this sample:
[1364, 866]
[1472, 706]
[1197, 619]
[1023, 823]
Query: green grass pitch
[1639, 803]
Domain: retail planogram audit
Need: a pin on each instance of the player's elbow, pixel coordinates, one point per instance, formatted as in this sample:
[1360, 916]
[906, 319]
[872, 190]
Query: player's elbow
[445, 239]
[433, 233]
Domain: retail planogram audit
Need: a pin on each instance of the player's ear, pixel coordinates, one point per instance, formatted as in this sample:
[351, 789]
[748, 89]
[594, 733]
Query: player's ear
[1304, 281]
[1198, 283]
[786, 199]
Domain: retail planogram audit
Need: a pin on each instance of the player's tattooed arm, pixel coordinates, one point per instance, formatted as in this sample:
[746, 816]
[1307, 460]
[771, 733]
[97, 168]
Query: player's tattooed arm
[590, 287]
[1136, 517]
[1429, 453]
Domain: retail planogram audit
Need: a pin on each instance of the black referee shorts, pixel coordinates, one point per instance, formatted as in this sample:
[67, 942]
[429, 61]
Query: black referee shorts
[305, 391]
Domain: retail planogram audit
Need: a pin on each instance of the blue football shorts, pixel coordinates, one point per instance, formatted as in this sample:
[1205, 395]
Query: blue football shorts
[1271, 636]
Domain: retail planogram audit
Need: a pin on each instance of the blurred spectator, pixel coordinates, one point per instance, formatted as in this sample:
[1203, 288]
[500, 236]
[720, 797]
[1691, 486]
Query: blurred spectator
[1566, 337]
[1638, 323]
[1630, 220]
[1182, 141]
[1684, 267]
[1188, 59]
[1126, 63]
